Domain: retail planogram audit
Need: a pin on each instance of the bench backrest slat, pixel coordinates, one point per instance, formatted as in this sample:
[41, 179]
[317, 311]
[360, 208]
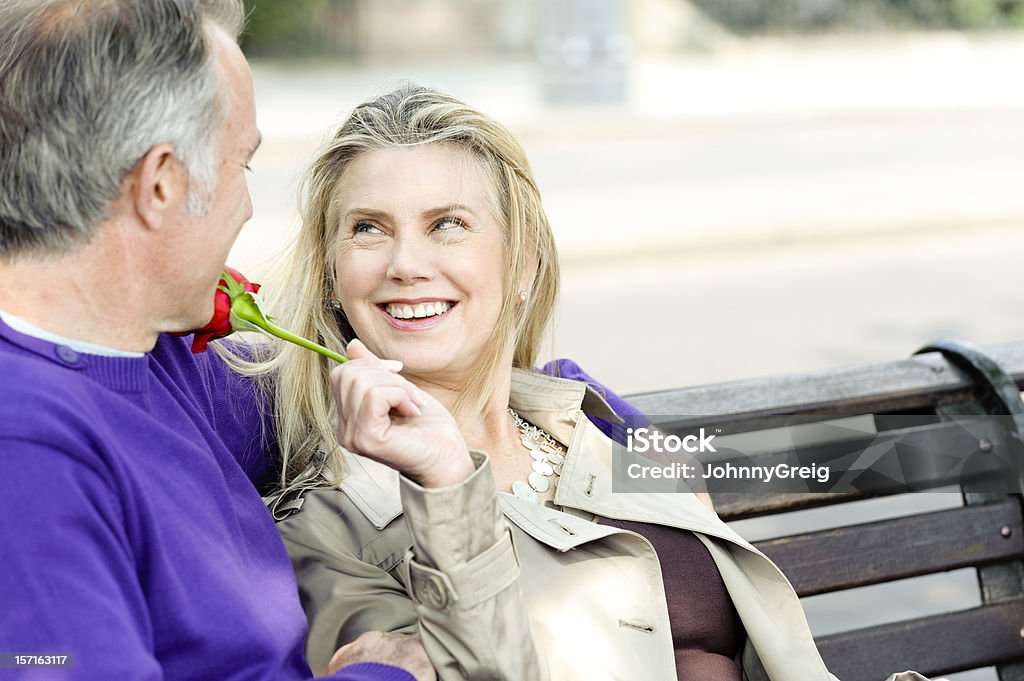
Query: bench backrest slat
[872, 553]
[907, 384]
[940, 644]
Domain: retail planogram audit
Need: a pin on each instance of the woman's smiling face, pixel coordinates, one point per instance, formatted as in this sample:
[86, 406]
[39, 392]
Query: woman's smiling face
[420, 261]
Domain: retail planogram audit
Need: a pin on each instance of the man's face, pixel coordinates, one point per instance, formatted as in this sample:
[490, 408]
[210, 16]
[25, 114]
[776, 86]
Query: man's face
[200, 248]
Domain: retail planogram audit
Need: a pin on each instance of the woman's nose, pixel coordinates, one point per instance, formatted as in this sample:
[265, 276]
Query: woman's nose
[410, 262]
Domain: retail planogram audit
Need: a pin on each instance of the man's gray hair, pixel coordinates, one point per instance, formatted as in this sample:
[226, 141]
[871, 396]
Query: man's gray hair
[87, 88]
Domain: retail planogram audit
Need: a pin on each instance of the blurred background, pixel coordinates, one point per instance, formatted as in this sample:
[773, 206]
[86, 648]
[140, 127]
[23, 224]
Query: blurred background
[739, 188]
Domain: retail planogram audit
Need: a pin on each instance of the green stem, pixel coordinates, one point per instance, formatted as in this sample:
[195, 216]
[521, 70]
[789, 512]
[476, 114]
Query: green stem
[299, 340]
[247, 314]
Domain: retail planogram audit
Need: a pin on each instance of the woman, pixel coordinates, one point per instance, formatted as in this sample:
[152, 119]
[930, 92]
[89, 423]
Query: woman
[424, 237]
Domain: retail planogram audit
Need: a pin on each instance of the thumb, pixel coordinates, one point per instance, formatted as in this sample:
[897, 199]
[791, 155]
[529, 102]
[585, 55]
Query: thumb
[356, 350]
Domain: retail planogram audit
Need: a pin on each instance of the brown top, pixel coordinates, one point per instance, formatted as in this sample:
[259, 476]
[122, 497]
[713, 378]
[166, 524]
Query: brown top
[706, 630]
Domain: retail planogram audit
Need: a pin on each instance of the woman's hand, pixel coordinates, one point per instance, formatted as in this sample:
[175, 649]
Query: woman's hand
[400, 650]
[384, 417]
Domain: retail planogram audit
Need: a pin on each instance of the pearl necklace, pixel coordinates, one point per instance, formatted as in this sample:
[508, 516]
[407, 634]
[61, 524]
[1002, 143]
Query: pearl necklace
[548, 456]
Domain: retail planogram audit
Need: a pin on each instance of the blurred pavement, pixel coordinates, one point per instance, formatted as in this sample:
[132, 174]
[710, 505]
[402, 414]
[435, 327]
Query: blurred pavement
[774, 207]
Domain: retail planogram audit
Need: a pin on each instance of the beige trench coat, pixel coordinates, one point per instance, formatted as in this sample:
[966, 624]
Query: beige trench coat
[504, 589]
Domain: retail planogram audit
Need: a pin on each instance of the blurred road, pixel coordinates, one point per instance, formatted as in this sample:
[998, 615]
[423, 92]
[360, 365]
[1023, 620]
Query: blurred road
[772, 209]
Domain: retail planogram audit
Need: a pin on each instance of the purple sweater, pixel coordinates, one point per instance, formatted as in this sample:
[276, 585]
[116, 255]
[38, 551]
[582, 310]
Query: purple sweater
[131, 537]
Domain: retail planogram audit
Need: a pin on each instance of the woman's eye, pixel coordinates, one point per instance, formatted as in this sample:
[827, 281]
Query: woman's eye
[365, 228]
[448, 224]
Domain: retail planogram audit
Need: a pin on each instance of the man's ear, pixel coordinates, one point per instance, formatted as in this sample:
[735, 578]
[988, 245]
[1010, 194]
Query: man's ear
[159, 185]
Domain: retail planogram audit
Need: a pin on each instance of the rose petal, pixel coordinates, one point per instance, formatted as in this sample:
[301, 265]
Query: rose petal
[219, 325]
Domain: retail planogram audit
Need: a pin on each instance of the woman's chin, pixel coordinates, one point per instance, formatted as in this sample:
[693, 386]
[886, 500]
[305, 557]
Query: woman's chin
[432, 370]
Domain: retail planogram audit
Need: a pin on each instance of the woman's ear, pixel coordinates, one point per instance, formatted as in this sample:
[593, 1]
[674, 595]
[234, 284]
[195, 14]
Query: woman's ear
[531, 264]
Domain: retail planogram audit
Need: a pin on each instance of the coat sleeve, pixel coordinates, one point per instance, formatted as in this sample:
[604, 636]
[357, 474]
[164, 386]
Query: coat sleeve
[462, 573]
[457, 588]
[343, 593]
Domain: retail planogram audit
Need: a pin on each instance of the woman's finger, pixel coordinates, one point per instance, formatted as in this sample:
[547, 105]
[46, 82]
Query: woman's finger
[356, 349]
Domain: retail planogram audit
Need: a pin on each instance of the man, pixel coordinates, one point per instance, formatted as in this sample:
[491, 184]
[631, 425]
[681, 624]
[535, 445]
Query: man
[132, 543]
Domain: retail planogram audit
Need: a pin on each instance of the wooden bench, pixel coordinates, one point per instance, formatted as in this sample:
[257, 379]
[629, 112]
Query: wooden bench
[986, 533]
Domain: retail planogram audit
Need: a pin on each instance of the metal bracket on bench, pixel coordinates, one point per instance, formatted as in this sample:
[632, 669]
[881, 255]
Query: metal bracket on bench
[997, 393]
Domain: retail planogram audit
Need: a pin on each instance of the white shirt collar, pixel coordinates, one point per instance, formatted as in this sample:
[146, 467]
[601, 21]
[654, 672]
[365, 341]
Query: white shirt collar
[22, 326]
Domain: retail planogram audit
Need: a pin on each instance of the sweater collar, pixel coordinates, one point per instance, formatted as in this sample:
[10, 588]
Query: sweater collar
[122, 374]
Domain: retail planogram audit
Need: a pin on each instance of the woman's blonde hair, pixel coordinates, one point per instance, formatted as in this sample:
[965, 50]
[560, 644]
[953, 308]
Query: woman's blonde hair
[296, 380]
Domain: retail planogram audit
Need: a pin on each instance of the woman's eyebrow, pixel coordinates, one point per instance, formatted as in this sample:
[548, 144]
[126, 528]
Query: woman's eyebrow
[448, 208]
[367, 212]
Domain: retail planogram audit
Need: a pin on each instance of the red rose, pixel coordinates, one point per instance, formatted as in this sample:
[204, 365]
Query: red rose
[220, 325]
[238, 308]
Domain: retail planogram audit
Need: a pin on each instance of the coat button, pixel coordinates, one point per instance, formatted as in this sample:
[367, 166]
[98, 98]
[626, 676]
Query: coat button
[437, 595]
[431, 591]
[67, 355]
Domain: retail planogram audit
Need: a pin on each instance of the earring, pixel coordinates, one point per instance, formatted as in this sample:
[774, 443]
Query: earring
[522, 296]
[333, 304]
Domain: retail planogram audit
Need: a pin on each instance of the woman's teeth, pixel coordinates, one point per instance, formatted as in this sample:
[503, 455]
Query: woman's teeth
[417, 311]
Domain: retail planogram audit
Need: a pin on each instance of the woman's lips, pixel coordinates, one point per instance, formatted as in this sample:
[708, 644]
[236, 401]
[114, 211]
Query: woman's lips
[417, 310]
[416, 315]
